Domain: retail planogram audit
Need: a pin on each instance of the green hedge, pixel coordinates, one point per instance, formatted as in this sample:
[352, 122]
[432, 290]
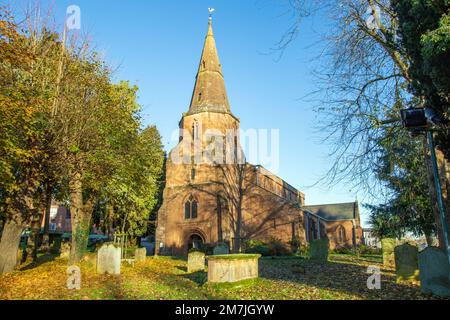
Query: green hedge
[274, 247]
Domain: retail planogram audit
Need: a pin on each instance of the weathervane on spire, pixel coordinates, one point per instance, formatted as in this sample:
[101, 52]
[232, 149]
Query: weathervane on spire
[211, 10]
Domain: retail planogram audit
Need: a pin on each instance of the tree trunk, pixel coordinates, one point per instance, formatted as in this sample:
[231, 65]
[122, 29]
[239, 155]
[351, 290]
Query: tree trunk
[46, 237]
[80, 219]
[237, 237]
[433, 194]
[9, 245]
[444, 175]
[219, 220]
[33, 239]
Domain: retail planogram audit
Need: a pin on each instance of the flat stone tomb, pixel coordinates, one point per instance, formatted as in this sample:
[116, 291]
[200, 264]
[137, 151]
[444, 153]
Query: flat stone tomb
[232, 268]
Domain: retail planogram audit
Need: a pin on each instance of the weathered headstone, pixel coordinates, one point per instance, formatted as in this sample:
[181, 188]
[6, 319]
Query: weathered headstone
[406, 263]
[56, 246]
[140, 254]
[319, 250]
[388, 246]
[434, 272]
[196, 261]
[65, 250]
[221, 249]
[108, 259]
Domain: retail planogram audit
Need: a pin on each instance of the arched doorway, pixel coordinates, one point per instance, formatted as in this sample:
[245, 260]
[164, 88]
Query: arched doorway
[195, 241]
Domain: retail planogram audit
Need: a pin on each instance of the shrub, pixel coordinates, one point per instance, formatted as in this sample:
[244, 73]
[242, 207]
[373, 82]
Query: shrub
[274, 247]
[295, 245]
[256, 247]
[278, 248]
[342, 250]
[363, 249]
[303, 251]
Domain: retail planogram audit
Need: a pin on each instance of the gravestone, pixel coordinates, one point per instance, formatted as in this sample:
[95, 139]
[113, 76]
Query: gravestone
[65, 250]
[319, 250]
[221, 249]
[196, 261]
[140, 254]
[108, 259]
[56, 246]
[434, 272]
[406, 263]
[388, 246]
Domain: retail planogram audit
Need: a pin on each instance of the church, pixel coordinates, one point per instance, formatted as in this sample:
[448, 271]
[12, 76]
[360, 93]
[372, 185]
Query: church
[213, 196]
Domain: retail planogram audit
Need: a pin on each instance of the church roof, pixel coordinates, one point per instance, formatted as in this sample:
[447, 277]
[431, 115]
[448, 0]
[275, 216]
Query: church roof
[210, 94]
[335, 212]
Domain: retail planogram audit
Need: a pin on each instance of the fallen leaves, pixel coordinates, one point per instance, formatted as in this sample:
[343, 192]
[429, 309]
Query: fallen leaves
[343, 278]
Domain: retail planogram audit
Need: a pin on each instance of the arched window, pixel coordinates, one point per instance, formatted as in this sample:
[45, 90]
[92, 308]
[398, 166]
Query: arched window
[191, 208]
[187, 210]
[194, 209]
[313, 229]
[341, 234]
[200, 96]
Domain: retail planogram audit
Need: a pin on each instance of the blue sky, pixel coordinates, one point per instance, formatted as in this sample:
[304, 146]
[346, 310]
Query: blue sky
[157, 45]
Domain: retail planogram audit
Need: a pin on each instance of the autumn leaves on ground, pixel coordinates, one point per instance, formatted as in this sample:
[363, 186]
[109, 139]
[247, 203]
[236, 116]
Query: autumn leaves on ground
[158, 278]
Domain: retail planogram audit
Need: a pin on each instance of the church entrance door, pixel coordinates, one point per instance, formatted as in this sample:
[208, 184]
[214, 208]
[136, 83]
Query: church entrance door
[195, 242]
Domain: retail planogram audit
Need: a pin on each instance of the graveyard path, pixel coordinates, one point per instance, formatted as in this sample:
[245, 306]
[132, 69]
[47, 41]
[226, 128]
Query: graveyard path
[344, 277]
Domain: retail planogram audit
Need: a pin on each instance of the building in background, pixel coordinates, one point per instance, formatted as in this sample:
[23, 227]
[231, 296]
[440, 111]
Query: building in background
[370, 239]
[59, 221]
[340, 223]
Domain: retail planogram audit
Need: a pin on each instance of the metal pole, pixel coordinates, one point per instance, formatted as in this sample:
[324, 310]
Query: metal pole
[439, 194]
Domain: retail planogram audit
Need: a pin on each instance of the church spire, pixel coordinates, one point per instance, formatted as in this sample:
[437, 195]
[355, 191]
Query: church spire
[210, 94]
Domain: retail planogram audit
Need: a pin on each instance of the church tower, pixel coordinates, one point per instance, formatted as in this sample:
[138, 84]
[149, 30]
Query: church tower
[212, 196]
[191, 209]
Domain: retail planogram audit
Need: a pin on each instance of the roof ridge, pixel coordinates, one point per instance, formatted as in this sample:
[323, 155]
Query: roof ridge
[330, 204]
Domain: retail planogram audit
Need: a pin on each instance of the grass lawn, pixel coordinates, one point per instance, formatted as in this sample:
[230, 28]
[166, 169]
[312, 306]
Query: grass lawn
[161, 278]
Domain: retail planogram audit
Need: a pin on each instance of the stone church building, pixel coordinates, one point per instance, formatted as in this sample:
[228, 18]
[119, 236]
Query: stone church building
[212, 195]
